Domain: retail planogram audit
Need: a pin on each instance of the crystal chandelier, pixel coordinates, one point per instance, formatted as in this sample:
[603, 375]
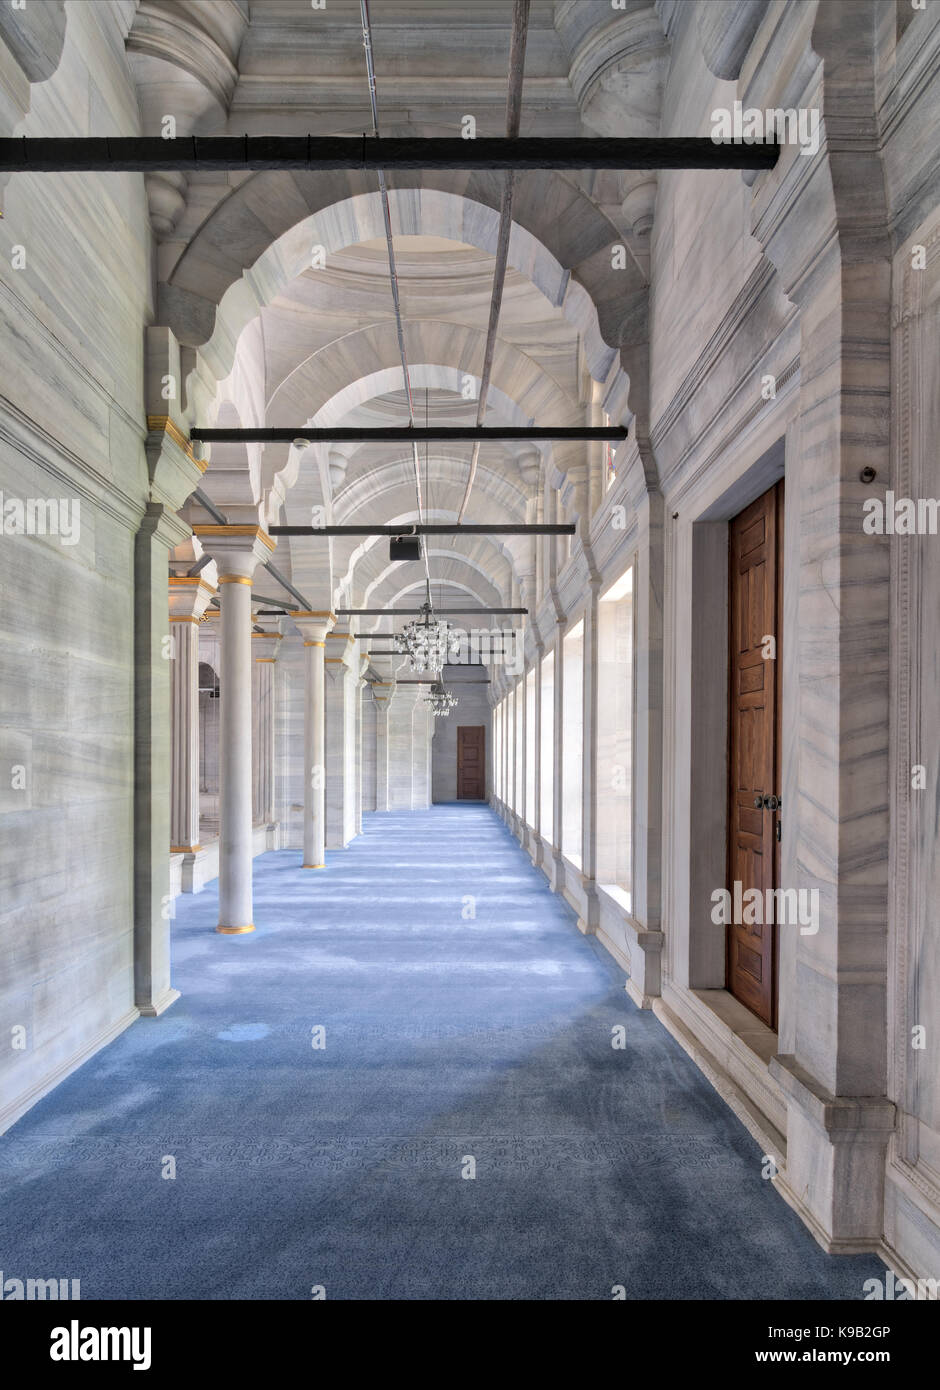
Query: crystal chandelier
[427, 642]
[441, 701]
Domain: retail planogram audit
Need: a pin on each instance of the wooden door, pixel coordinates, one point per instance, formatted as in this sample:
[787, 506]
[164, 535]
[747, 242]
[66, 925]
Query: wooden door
[755, 616]
[471, 762]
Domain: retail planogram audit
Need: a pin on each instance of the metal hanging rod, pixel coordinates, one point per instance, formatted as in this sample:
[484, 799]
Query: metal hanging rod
[411, 434]
[265, 598]
[555, 528]
[286, 584]
[433, 680]
[68, 154]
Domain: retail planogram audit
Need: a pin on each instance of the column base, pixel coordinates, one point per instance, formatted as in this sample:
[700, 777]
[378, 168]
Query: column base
[835, 1168]
[155, 1007]
[313, 866]
[236, 931]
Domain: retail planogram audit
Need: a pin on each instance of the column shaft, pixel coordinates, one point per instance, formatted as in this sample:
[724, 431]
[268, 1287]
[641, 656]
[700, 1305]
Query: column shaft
[235, 821]
[314, 756]
[184, 736]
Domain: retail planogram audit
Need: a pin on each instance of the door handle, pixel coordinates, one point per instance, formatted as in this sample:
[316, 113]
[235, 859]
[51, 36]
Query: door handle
[768, 803]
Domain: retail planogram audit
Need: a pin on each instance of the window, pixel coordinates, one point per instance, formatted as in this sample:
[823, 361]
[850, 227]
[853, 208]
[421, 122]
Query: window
[530, 813]
[572, 742]
[498, 751]
[511, 750]
[615, 737]
[547, 751]
[519, 694]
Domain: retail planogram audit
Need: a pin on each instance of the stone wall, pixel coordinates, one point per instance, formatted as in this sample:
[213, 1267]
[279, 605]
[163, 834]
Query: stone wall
[71, 427]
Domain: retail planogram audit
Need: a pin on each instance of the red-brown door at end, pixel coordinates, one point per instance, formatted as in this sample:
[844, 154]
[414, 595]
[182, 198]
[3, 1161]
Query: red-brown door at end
[755, 563]
[471, 762]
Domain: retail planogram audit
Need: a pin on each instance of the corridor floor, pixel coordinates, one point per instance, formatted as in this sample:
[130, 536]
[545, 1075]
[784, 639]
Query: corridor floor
[464, 1025]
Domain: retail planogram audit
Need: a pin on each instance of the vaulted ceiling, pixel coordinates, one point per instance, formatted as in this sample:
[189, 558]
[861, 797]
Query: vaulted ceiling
[277, 283]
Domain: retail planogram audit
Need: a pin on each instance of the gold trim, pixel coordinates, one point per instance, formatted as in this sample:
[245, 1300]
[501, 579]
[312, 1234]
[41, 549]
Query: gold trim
[191, 581]
[230, 529]
[271, 635]
[162, 424]
[313, 866]
[236, 931]
[235, 579]
[310, 613]
[183, 618]
[315, 644]
[335, 660]
[185, 849]
[271, 659]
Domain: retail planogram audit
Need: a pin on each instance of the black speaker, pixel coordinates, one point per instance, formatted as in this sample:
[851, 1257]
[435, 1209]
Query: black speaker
[404, 548]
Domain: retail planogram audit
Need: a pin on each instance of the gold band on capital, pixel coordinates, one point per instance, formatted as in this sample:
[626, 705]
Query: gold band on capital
[314, 644]
[234, 579]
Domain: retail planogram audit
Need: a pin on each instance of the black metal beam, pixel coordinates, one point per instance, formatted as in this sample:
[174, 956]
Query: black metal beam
[205, 153]
[412, 434]
[416, 612]
[430, 528]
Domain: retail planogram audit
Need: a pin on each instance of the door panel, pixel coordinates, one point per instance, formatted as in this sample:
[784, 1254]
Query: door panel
[471, 763]
[754, 564]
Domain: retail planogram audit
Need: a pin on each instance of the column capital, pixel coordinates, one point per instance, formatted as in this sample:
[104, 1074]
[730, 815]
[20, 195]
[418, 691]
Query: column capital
[382, 692]
[236, 549]
[313, 626]
[341, 652]
[189, 598]
[264, 646]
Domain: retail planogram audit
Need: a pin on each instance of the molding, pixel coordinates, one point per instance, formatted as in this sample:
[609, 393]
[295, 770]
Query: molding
[12, 1112]
[754, 1120]
[162, 424]
[97, 488]
[214, 532]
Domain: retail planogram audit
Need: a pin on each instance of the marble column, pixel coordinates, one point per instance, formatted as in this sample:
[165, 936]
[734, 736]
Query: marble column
[237, 551]
[314, 628]
[588, 922]
[400, 744]
[341, 663]
[160, 530]
[421, 732]
[382, 692]
[189, 598]
[264, 649]
[360, 688]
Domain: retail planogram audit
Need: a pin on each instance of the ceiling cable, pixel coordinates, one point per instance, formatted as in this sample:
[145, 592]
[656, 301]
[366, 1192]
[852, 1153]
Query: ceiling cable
[392, 268]
[520, 23]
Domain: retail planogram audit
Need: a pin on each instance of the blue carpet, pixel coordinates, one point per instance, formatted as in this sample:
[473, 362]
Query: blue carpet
[464, 1017]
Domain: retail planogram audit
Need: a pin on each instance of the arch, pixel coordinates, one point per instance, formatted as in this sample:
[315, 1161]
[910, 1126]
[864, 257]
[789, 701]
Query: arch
[355, 219]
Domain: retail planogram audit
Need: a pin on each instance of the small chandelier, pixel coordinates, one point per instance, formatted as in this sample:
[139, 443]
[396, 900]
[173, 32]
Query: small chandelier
[427, 642]
[441, 701]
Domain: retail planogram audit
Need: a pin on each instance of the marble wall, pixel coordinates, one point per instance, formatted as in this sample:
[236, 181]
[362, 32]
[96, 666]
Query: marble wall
[71, 432]
[472, 708]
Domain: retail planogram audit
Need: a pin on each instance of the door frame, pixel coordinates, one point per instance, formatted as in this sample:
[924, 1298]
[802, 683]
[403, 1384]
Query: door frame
[699, 758]
[779, 487]
[483, 755]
